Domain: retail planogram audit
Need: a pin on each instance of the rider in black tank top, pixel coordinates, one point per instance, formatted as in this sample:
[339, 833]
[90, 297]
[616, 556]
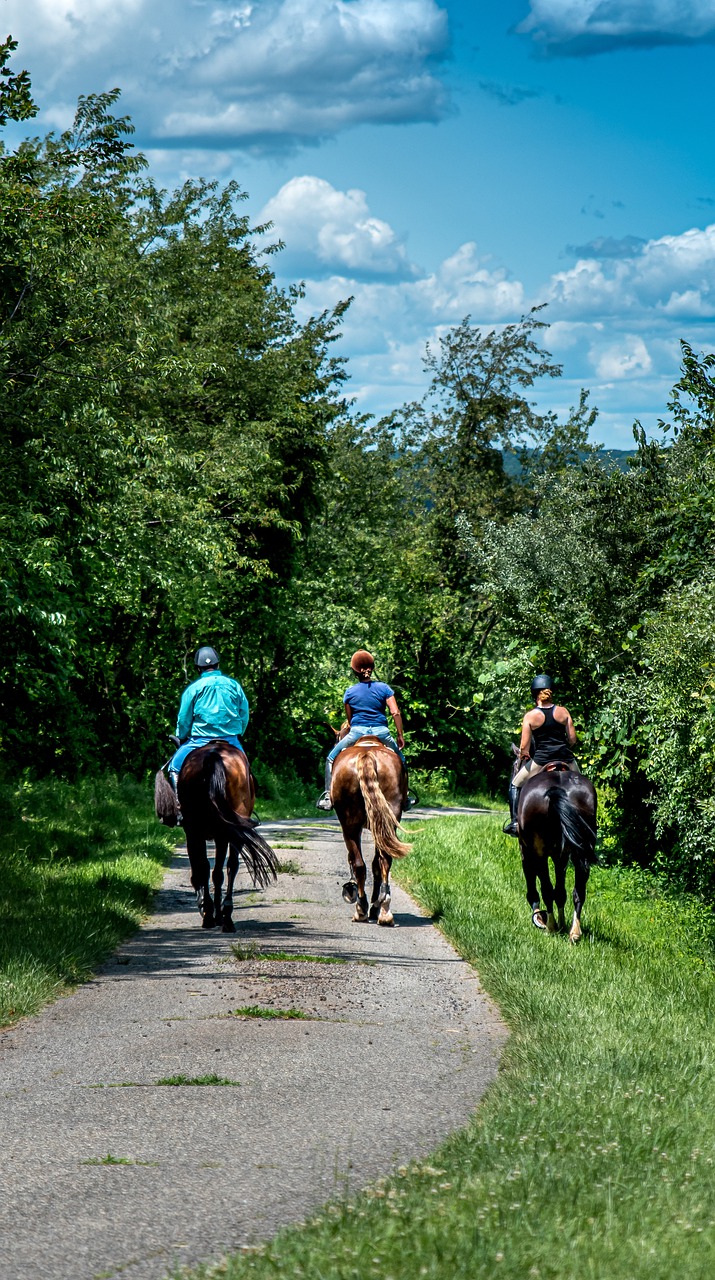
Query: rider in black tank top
[544, 739]
[550, 740]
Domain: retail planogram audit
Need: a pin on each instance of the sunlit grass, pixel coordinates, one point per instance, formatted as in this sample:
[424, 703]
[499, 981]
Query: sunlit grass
[592, 1154]
[78, 868]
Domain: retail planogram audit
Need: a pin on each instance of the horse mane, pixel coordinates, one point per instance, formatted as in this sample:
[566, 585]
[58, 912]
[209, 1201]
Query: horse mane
[166, 806]
[380, 818]
[576, 830]
[260, 860]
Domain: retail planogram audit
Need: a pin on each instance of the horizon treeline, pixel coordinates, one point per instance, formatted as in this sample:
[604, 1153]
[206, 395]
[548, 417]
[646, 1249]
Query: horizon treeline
[183, 465]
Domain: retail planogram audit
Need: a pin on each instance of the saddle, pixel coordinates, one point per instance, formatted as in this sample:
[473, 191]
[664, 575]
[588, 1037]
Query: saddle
[556, 766]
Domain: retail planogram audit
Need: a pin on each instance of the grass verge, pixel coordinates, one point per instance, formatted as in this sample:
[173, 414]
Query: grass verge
[79, 866]
[289, 867]
[196, 1080]
[257, 1011]
[251, 951]
[591, 1157]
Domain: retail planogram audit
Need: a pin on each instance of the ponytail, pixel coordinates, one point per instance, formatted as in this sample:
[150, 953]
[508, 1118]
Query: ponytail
[544, 695]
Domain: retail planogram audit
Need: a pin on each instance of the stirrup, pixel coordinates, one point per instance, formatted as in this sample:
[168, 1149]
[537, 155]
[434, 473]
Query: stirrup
[324, 803]
[511, 828]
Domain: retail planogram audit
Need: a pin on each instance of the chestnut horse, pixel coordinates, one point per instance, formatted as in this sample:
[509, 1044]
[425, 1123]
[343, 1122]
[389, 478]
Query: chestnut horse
[557, 820]
[369, 789]
[216, 795]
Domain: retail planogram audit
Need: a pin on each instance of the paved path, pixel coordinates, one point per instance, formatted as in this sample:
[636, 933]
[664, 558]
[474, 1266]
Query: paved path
[399, 1047]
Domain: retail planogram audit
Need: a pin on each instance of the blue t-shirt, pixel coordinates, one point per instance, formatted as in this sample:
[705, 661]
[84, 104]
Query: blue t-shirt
[368, 702]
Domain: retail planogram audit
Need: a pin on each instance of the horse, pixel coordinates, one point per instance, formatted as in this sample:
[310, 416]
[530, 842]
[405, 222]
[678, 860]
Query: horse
[557, 820]
[369, 789]
[216, 793]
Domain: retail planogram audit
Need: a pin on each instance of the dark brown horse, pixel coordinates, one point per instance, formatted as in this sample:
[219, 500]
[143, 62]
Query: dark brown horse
[369, 789]
[216, 795]
[557, 820]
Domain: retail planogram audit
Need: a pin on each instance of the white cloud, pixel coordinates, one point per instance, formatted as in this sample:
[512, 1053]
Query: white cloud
[615, 323]
[625, 359]
[262, 75]
[674, 275]
[594, 26]
[334, 229]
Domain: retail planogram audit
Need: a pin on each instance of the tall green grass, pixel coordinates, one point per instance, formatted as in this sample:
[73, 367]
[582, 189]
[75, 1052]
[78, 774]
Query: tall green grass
[78, 866]
[591, 1157]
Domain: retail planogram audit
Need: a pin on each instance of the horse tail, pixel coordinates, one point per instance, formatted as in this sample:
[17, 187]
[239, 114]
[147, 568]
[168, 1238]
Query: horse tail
[260, 860]
[380, 818]
[576, 830]
[166, 805]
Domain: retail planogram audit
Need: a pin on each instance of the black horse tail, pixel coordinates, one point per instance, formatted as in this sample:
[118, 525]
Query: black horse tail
[577, 831]
[166, 805]
[261, 862]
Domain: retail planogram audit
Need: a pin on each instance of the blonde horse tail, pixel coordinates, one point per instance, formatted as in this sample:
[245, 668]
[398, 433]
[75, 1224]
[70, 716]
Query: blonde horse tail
[380, 818]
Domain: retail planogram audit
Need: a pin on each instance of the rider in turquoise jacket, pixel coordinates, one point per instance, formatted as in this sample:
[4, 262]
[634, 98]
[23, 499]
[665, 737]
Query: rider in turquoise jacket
[214, 706]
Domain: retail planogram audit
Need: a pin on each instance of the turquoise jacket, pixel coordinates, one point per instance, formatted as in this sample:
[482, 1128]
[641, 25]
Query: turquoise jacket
[211, 707]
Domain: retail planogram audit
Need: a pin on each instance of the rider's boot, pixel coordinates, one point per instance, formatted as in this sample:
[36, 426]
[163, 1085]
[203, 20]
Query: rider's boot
[174, 780]
[325, 803]
[511, 828]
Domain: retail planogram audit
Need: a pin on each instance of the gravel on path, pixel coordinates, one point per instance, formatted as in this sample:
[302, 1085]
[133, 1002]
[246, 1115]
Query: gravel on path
[105, 1172]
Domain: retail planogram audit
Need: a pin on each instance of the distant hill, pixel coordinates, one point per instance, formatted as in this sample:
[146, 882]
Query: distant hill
[615, 457]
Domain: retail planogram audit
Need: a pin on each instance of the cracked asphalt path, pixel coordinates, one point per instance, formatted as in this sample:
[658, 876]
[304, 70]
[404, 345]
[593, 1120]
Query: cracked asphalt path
[395, 1050]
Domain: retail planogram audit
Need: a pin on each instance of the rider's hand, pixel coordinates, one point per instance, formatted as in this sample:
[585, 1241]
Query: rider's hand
[401, 741]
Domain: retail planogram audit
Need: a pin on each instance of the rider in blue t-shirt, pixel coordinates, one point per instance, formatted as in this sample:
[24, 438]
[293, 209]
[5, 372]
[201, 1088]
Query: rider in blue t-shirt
[214, 706]
[365, 704]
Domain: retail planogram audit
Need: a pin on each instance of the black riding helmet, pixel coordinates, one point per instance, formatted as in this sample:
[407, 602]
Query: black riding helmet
[206, 657]
[541, 682]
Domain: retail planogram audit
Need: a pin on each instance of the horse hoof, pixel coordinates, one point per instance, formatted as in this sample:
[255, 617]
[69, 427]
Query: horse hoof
[374, 912]
[538, 918]
[350, 892]
[387, 922]
[208, 922]
[551, 926]
[228, 926]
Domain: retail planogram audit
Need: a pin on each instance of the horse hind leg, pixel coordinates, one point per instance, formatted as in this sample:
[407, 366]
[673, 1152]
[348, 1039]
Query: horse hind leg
[385, 917]
[579, 897]
[560, 892]
[376, 887]
[227, 925]
[200, 869]
[354, 890]
[547, 893]
[538, 917]
[221, 846]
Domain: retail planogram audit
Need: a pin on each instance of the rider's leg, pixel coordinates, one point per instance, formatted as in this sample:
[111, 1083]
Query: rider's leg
[511, 827]
[527, 770]
[324, 802]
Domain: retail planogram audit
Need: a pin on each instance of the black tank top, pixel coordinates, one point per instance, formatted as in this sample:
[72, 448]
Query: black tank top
[550, 739]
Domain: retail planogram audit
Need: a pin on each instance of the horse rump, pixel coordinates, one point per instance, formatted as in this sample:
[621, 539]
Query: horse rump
[578, 830]
[166, 806]
[380, 818]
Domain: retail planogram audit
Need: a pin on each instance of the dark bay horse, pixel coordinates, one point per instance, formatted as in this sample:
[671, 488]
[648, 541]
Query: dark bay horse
[369, 789]
[557, 820]
[216, 795]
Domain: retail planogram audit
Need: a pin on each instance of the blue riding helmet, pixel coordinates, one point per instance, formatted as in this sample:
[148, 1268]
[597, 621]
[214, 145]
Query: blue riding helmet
[206, 657]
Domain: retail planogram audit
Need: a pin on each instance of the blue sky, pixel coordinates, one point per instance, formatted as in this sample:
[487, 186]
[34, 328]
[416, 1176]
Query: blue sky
[436, 159]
